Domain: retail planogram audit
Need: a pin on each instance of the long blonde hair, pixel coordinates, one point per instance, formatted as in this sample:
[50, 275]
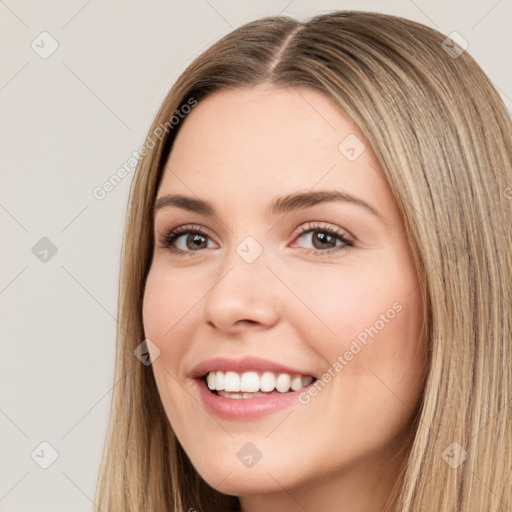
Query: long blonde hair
[444, 140]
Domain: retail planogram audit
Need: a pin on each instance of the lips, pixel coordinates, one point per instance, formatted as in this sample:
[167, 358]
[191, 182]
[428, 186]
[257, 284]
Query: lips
[240, 407]
[244, 406]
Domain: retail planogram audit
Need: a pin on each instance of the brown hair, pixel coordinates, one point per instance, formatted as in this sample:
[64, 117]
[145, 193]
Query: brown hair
[444, 140]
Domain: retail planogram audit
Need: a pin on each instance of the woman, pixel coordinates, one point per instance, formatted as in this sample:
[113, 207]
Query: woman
[369, 369]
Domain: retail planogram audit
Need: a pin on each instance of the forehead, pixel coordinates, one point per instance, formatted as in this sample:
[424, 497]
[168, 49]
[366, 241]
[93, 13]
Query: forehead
[250, 144]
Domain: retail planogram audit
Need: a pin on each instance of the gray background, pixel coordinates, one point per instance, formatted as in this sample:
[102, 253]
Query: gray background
[68, 122]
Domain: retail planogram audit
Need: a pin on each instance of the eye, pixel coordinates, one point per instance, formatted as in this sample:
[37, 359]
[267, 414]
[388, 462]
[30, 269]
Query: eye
[324, 238]
[193, 238]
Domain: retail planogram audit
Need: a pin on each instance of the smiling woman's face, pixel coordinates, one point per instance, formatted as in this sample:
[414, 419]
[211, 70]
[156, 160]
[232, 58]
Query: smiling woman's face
[323, 289]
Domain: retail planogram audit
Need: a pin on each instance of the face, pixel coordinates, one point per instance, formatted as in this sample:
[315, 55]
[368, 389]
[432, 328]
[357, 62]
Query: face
[319, 294]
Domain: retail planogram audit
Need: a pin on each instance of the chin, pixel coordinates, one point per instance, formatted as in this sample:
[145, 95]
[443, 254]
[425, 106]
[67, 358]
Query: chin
[237, 480]
[238, 485]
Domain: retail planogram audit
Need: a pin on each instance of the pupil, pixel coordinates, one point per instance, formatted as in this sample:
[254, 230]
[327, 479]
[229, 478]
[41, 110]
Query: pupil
[320, 235]
[195, 239]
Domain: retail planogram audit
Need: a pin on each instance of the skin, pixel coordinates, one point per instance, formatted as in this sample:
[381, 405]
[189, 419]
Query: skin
[341, 451]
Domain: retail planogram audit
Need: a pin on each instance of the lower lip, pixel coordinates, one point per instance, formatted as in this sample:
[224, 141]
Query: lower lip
[245, 408]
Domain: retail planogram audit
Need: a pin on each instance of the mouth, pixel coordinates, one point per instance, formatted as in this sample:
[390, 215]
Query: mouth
[254, 384]
[248, 388]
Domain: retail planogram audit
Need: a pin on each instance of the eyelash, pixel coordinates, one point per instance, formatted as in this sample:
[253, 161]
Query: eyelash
[171, 236]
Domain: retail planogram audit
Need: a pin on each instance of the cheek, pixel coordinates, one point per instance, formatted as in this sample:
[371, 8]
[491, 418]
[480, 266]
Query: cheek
[167, 315]
[166, 311]
[372, 320]
[344, 303]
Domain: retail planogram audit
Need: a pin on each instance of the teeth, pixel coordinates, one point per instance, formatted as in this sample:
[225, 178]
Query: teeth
[283, 382]
[296, 383]
[306, 381]
[211, 380]
[231, 381]
[226, 394]
[219, 380]
[267, 381]
[249, 384]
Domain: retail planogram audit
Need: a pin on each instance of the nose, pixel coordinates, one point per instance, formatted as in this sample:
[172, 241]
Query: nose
[244, 295]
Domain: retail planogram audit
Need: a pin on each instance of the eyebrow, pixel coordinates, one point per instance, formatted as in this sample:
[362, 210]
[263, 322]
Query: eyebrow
[284, 204]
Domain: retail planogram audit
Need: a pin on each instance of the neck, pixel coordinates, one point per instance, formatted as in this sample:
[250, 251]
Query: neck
[363, 487]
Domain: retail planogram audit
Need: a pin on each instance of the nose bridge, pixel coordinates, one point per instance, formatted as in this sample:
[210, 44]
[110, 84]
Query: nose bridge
[243, 290]
[246, 261]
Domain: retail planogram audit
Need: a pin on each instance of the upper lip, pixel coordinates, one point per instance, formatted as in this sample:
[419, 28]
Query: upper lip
[245, 364]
